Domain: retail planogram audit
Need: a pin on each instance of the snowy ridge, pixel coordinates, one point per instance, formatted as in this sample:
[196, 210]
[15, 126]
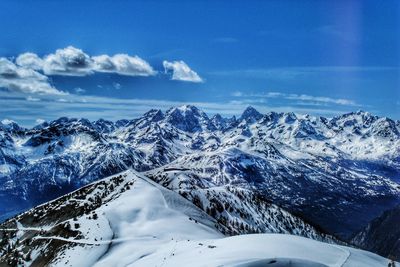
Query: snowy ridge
[128, 220]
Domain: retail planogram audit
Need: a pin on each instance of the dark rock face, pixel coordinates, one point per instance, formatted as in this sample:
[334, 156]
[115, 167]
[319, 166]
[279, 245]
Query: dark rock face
[382, 235]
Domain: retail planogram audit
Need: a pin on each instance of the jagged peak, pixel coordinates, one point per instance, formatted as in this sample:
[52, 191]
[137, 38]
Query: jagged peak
[189, 118]
[250, 114]
[187, 111]
[185, 108]
[353, 118]
[104, 125]
[360, 112]
[101, 120]
[122, 123]
[217, 117]
[153, 111]
[63, 120]
[289, 117]
[154, 114]
[7, 124]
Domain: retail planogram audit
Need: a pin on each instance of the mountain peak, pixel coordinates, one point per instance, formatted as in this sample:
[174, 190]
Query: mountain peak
[289, 117]
[188, 106]
[186, 109]
[250, 114]
[154, 114]
[217, 117]
[10, 125]
[188, 118]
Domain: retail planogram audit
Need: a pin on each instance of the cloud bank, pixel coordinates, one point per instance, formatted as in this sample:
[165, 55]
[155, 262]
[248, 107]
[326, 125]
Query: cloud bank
[181, 71]
[30, 61]
[300, 97]
[71, 61]
[122, 64]
[29, 73]
[25, 80]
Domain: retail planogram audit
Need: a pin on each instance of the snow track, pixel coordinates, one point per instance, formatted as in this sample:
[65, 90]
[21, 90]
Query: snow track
[346, 257]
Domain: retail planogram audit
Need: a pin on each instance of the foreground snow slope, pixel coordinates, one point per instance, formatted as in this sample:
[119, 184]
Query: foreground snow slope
[264, 249]
[128, 220]
[142, 220]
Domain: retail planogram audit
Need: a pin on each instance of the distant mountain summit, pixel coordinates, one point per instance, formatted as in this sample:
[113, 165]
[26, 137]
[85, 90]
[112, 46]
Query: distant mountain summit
[189, 118]
[251, 115]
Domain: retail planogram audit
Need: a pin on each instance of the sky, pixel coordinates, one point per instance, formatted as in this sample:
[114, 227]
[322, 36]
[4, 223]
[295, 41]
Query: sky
[118, 59]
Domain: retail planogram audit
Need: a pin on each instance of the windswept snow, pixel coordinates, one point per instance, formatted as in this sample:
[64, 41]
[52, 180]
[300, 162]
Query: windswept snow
[247, 250]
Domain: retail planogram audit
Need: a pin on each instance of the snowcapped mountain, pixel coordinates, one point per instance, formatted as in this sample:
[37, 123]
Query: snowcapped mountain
[128, 220]
[336, 173]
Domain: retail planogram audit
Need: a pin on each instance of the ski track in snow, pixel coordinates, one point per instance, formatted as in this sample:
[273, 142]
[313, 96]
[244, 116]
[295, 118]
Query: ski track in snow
[93, 242]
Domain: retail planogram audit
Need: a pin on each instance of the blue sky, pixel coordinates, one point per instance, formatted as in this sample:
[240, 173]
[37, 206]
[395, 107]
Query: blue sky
[316, 57]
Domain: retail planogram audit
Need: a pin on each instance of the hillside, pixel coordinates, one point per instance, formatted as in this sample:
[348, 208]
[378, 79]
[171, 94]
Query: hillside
[128, 220]
[381, 235]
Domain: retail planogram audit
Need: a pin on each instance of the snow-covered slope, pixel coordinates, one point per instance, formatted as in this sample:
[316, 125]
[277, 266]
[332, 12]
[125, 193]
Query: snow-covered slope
[337, 173]
[128, 220]
[91, 223]
[263, 250]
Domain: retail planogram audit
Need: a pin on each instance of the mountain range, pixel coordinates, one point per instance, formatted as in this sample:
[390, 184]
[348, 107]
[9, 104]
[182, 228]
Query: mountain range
[321, 178]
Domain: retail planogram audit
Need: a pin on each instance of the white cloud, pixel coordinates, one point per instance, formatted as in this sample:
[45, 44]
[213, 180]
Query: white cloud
[339, 101]
[29, 72]
[181, 71]
[290, 73]
[30, 60]
[117, 86]
[123, 64]
[274, 94]
[79, 90]
[321, 99]
[69, 61]
[237, 94]
[15, 78]
[300, 97]
[33, 99]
